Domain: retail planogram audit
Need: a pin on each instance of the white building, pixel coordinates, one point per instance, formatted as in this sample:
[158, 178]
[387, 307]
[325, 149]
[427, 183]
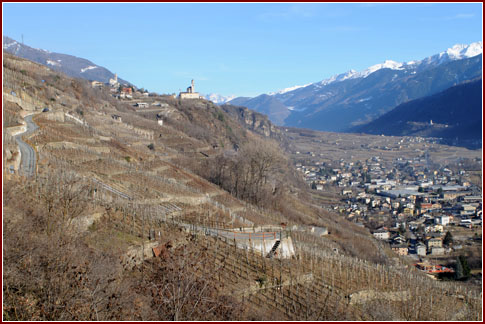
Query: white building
[114, 82]
[190, 94]
[421, 249]
[442, 220]
[381, 234]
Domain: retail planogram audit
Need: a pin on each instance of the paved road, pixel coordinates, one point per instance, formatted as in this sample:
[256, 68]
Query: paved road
[27, 165]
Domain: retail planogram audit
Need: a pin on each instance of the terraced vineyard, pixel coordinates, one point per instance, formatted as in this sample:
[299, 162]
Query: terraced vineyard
[135, 187]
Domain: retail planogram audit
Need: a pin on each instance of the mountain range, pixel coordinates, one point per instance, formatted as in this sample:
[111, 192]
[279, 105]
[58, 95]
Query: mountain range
[347, 100]
[71, 65]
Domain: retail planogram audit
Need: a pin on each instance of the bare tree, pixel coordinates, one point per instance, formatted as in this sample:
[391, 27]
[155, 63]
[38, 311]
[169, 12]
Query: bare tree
[182, 287]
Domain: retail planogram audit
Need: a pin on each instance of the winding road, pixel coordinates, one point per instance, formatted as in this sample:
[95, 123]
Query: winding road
[27, 165]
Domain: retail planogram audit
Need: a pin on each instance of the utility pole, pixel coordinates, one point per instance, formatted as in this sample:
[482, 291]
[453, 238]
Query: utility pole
[22, 39]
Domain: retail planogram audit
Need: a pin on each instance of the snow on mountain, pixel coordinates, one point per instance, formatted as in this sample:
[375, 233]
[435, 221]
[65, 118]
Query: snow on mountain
[5, 46]
[339, 77]
[88, 68]
[388, 64]
[457, 52]
[352, 74]
[53, 63]
[285, 90]
[218, 99]
[461, 51]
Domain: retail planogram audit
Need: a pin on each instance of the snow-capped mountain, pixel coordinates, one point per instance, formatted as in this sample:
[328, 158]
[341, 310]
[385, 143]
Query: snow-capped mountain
[457, 52]
[68, 64]
[218, 99]
[285, 90]
[351, 98]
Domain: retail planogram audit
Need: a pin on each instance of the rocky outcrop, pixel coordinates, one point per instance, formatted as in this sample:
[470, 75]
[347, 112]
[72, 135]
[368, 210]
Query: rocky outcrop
[252, 120]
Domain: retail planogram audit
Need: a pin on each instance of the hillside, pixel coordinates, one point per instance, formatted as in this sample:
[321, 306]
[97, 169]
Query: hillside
[71, 65]
[166, 213]
[354, 98]
[454, 115]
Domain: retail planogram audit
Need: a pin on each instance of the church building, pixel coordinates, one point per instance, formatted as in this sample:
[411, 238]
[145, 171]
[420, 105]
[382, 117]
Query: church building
[190, 94]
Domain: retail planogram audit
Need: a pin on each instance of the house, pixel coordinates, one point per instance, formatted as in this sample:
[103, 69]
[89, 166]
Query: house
[472, 199]
[426, 206]
[437, 250]
[126, 93]
[466, 222]
[442, 220]
[127, 90]
[381, 234]
[96, 84]
[398, 239]
[421, 249]
[435, 242]
[434, 228]
[400, 249]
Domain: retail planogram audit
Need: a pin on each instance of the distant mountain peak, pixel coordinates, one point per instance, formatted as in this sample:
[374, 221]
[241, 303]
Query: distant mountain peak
[456, 52]
[285, 90]
[353, 74]
[218, 99]
[460, 51]
[353, 98]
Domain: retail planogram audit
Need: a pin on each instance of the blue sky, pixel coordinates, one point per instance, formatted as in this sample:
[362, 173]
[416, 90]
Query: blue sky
[242, 49]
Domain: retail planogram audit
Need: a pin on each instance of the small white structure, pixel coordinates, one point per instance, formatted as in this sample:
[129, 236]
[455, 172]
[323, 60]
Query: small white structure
[141, 105]
[442, 220]
[160, 122]
[421, 249]
[318, 231]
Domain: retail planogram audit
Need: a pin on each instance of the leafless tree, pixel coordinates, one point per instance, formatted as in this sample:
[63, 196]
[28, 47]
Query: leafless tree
[182, 287]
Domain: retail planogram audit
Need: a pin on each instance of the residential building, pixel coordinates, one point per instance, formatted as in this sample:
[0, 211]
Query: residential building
[96, 84]
[382, 234]
[421, 249]
[400, 249]
[437, 250]
[435, 242]
[442, 220]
